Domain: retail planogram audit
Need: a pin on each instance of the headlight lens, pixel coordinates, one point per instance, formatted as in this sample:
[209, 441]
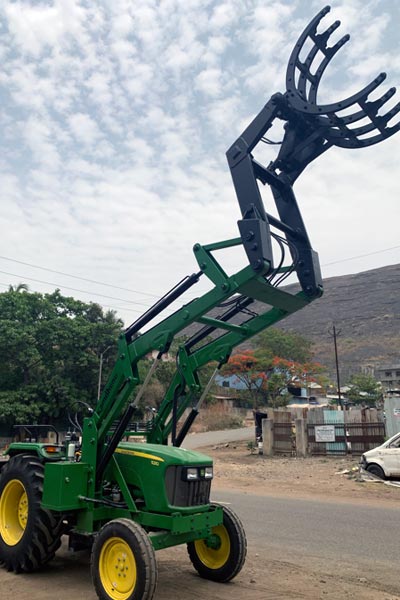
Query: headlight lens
[208, 472]
[192, 474]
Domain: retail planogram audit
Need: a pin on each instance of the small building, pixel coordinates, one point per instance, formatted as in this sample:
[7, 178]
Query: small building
[389, 376]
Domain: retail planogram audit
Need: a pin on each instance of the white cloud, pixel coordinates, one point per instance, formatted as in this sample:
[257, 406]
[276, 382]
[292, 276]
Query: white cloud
[116, 118]
[84, 129]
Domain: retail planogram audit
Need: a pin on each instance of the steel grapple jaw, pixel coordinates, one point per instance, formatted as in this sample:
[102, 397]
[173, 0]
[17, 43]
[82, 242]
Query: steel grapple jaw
[310, 129]
[302, 83]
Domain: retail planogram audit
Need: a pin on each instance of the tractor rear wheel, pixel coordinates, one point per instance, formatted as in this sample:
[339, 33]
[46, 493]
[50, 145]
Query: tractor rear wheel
[29, 535]
[221, 556]
[123, 562]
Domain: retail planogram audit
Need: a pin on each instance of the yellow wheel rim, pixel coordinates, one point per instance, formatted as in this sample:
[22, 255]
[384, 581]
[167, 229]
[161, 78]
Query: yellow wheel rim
[117, 569]
[13, 512]
[214, 558]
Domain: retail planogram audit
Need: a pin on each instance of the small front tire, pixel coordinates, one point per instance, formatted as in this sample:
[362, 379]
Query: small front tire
[123, 562]
[220, 557]
[376, 470]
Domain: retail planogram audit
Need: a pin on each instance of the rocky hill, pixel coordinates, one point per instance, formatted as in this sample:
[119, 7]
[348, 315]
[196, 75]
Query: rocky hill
[365, 308]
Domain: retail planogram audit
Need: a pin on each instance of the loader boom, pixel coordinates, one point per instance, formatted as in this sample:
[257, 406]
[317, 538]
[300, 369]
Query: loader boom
[309, 130]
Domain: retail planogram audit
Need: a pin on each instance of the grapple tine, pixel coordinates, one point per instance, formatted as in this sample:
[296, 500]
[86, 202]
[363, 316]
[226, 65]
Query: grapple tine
[372, 107]
[369, 109]
[343, 136]
[321, 39]
[294, 61]
[363, 143]
[299, 104]
[320, 45]
[312, 97]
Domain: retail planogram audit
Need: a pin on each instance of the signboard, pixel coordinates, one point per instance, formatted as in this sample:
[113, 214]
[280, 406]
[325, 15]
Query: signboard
[396, 412]
[325, 433]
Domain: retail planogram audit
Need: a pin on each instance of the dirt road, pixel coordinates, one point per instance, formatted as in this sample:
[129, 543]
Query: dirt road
[272, 573]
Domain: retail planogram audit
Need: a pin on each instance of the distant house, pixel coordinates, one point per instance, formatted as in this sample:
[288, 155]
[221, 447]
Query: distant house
[389, 376]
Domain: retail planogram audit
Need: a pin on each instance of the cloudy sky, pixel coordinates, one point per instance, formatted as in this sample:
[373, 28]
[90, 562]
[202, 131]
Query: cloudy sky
[115, 119]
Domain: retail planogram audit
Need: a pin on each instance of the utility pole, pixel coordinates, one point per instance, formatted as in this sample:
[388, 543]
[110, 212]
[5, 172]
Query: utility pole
[333, 333]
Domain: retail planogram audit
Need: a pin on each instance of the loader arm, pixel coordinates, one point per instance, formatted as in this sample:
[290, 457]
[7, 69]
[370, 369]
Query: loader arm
[225, 312]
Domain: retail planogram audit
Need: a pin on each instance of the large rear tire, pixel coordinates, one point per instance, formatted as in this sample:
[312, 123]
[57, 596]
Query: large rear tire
[222, 556]
[123, 562]
[29, 535]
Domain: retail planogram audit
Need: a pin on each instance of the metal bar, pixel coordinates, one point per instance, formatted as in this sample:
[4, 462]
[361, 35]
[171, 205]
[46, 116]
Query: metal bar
[217, 324]
[195, 411]
[159, 306]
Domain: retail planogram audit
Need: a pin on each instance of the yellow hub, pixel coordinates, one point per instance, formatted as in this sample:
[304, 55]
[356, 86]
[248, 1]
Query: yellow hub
[214, 557]
[13, 512]
[117, 569]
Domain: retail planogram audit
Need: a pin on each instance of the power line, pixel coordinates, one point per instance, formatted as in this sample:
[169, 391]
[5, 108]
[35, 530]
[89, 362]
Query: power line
[74, 289]
[77, 277]
[83, 279]
[128, 289]
[116, 308]
[156, 295]
[335, 262]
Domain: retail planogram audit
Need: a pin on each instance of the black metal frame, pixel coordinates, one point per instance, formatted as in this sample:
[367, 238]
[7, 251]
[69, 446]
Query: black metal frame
[310, 130]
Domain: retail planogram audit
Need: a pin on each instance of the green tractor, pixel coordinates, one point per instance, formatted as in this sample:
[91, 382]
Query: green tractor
[125, 499]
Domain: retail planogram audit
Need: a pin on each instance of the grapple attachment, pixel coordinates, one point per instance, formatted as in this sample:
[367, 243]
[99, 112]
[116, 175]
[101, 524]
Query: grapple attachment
[310, 129]
[302, 83]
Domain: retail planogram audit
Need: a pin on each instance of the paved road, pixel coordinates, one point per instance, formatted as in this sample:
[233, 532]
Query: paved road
[361, 540]
[329, 546]
[199, 440]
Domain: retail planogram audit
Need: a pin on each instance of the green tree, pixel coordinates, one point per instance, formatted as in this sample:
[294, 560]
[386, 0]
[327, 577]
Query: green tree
[21, 287]
[159, 384]
[364, 389]
[50, 347]
[285, 344]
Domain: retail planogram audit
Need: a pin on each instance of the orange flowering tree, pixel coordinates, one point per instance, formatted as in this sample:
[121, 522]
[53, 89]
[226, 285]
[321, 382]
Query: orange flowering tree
[266, 378]
[251, 369]
[292, 373]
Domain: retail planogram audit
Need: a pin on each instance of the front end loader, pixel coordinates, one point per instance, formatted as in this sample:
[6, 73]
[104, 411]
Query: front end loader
[126, 499]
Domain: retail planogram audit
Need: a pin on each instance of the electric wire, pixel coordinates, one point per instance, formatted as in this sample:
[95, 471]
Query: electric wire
[117, 287]
[138, 291]
[335, 262]
[74, 289]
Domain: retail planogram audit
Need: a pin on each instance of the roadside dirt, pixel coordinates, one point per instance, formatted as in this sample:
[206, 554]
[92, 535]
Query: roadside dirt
[315, 477]
[265, 577]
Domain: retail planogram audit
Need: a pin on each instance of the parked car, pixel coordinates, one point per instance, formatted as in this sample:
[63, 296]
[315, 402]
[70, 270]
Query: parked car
[383, 461]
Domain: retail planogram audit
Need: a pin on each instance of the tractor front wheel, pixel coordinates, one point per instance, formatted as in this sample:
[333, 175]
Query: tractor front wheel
[221, 556]
[123, 562]
[29, 535]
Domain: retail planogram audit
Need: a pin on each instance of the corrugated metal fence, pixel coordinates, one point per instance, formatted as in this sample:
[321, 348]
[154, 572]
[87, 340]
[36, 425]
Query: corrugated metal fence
[328, 432]
[354, 431]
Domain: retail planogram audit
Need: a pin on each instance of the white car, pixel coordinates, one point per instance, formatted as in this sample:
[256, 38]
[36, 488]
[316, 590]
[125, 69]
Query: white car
[383, 461]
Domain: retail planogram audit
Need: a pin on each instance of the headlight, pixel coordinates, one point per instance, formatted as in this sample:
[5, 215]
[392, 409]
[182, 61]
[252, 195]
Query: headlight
[192, 474]
[197, 473]
[208, 473]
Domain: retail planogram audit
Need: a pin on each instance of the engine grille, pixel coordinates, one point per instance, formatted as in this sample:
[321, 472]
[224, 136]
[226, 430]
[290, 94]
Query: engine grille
[186, 493]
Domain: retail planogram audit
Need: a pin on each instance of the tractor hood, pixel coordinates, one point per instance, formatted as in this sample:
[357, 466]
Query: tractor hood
[163, 454]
